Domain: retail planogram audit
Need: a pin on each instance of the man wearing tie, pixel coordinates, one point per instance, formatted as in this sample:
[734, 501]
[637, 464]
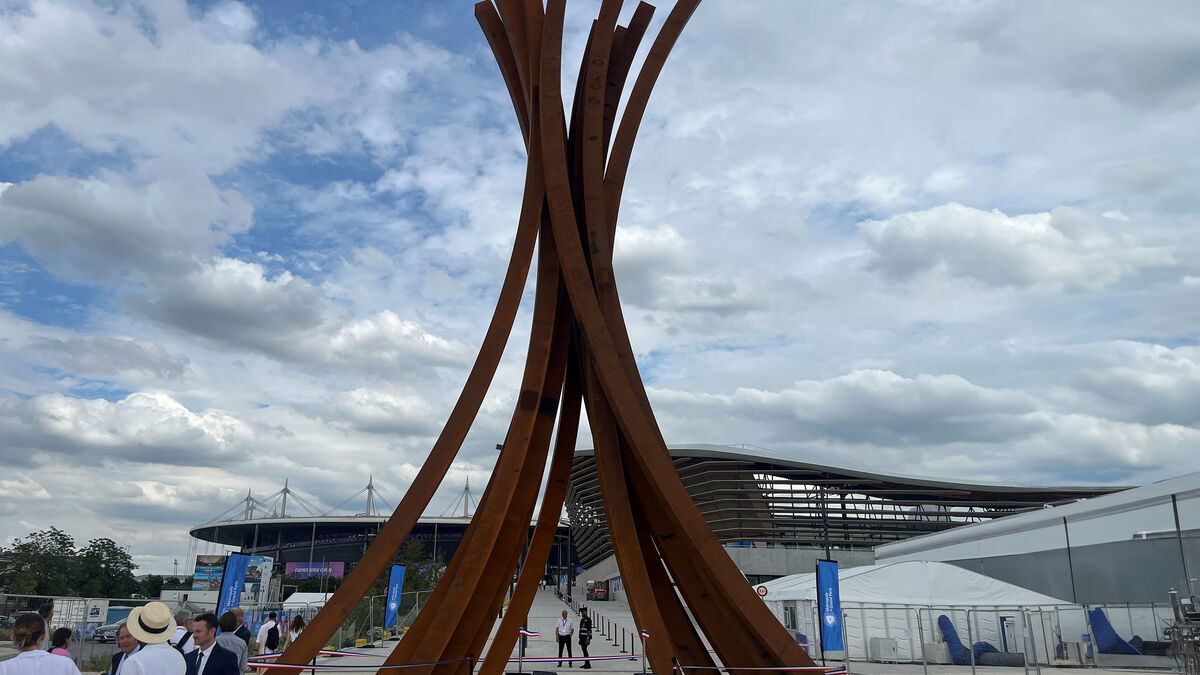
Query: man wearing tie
[209, 658]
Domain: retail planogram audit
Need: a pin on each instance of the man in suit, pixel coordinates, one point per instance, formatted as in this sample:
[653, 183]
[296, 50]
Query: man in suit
[242, 631]
[209, 658]
[128, 646]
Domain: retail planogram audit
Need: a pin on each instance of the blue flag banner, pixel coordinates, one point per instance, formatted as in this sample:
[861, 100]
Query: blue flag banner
[831, 606]
[395, 583]
[232, 580]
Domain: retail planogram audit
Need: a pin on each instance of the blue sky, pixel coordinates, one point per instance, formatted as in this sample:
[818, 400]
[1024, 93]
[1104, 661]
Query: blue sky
[244, 242]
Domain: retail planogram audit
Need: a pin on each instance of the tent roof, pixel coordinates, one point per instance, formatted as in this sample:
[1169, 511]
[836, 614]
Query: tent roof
[911, 583]
[307, 599]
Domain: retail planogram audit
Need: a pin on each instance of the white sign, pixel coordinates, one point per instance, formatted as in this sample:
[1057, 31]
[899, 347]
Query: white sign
[97, 611]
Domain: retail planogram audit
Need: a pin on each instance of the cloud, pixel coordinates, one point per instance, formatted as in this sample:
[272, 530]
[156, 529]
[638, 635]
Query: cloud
[112, 355]
[879, 407]
[235, 301]
[390, 412]
[931, 425]
[104, 228]
[1063, 248]
[142, 427]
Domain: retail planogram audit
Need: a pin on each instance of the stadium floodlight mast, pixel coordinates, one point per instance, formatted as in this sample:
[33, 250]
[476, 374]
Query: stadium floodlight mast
[579, 355]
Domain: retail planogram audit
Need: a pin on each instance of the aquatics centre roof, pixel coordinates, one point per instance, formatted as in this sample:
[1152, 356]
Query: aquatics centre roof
[755, 497]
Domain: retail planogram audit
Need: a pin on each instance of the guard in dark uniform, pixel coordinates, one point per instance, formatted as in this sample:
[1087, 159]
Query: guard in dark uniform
[585, 635]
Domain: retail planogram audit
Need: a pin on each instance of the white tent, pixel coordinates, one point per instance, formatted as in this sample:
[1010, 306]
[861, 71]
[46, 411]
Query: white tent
[912, 583]
[306, 600]
[902, 601]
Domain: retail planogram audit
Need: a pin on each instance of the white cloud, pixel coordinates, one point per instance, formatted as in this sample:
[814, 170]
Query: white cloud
[1062, 248]
[104, 228]
[144, 427]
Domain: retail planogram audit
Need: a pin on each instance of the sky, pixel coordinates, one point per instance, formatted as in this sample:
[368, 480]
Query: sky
[248, 242]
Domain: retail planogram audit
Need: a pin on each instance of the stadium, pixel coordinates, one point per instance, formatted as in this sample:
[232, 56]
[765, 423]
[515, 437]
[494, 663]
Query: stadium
[775, 516]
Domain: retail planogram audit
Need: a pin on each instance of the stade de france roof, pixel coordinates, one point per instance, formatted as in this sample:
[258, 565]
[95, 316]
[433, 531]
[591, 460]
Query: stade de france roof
[756, 497]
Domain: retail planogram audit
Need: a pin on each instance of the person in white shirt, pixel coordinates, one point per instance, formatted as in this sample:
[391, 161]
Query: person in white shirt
[182, 639]
[27, 636]
[153, 625]
[268, 635]
[564, 628]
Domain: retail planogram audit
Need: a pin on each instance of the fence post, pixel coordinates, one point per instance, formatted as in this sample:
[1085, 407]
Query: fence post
[623, 634]
[643, 652]
[971, 642]
[1091, 637]
[1027, 628]
[921, 641]
[846, 642]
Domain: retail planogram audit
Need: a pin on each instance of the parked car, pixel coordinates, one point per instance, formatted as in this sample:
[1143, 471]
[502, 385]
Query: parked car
[7, 621]
[107, 632]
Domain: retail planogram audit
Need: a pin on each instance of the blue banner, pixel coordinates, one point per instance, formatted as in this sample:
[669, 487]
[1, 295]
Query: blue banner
[831, 606]
[236, 565]
[395, 583]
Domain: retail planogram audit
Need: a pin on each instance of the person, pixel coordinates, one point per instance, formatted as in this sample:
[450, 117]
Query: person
[60, 642]
[182, 639]
[585, 635]
[564, 628]
[268, 635]
[46, 610]
[27, 637]
[296, 628]
[153, 626]
[127, 646]
[228, 639]
[209, 658]
[242, 631]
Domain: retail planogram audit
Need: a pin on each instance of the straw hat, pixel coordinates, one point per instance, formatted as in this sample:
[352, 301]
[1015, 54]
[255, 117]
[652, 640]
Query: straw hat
[151, 624]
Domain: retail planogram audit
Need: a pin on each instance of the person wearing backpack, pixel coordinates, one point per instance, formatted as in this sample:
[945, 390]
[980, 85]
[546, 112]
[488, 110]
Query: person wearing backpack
[268, 635]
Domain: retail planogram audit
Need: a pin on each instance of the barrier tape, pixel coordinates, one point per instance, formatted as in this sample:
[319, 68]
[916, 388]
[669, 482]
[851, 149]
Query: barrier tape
[355, 667]
[349, 667]
[829, 669]
[547, 659]
[323, 652]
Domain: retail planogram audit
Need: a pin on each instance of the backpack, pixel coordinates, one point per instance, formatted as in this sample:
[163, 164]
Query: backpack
[273, 637]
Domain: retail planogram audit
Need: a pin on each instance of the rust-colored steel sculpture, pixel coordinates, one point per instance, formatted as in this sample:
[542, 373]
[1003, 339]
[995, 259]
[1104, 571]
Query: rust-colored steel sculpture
[579, 355]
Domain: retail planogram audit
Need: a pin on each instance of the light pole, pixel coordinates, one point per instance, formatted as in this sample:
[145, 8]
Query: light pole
[176, 575]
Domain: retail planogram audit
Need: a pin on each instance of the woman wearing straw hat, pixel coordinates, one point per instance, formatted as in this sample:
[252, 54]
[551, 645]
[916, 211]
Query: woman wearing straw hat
[153, 625]
[33, 660]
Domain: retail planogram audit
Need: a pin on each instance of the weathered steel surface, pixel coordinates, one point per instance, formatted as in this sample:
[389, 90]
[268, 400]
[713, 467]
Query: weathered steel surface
[547, 524]
[579, 354]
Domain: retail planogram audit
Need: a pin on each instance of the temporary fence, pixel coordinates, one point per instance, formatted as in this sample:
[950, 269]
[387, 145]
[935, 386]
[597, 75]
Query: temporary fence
[1035, 636]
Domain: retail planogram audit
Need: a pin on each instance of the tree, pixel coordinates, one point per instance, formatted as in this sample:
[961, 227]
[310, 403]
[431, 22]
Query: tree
[47, 562]
[107, 569]
[152, 586]
[43, 563]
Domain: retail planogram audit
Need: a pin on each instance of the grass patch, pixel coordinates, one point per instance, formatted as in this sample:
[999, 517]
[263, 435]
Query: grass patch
[99, 664]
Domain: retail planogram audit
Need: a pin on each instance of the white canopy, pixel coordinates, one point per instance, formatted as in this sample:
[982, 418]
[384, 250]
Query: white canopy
[911, 583]
[306, 600]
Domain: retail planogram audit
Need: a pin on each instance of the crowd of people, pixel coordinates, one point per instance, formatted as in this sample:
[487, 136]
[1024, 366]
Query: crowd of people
[152, 641]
